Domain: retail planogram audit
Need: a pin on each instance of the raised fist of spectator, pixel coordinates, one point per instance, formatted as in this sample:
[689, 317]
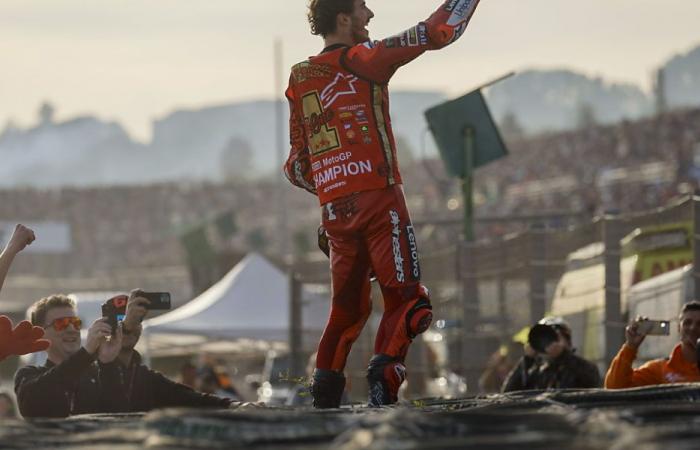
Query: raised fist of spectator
[21, 237]
[23, 339]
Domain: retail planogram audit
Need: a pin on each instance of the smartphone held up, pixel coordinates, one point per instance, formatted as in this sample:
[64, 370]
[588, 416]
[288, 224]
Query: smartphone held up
[654, 327]
[114, 309]
[157, 300]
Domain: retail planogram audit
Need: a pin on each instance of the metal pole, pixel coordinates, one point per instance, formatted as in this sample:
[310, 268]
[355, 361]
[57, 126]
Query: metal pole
[696, 244]
[614, 327]
[296, 365]
[472, 358]
[538, 284]
[467, 184]
[502, 283]
[283, 237]
[471, 344]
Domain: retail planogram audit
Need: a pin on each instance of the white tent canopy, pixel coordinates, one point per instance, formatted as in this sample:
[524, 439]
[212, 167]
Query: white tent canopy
[251, 303]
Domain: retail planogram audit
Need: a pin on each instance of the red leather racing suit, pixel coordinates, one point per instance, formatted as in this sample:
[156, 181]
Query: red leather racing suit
[343, 150]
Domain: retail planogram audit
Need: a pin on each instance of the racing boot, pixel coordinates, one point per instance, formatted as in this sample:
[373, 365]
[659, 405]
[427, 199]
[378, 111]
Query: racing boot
[327, 388]
[384, 376]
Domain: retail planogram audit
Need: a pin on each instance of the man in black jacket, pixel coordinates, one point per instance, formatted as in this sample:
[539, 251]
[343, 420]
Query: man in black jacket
[147, 389]
[74, 378]
[558, 368]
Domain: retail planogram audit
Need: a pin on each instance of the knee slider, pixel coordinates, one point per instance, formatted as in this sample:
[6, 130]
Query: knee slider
[419, 317]
[327, 388]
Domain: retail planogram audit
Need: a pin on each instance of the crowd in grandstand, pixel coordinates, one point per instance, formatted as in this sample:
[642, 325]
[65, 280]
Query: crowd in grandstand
[565, 171]
[579, 165]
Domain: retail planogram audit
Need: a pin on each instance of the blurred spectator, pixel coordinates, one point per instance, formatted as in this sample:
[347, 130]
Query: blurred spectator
[499, 365]
[7, 406]
[680, 367]
[148, 389]
[553, 365]
[75, 379]
[188, 374]
[213, 378]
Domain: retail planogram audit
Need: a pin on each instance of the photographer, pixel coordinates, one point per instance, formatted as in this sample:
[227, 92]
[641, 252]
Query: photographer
[23, 338]
[147, 389]
[680, 367]
[549, 361]
[74, 378]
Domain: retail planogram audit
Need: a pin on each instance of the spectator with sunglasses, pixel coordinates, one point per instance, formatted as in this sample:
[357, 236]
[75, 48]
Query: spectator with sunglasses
[75, 379]
[23, 338]
[147, 389]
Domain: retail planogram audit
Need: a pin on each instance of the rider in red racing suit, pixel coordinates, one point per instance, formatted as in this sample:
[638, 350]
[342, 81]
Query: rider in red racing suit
[343, 150]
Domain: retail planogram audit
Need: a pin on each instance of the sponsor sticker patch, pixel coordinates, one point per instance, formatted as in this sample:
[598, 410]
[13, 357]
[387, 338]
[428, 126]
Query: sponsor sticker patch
[414, 266]
[460, 10]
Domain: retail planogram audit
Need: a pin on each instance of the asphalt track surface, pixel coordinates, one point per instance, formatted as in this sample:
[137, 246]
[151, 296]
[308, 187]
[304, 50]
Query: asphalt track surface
[640, 419]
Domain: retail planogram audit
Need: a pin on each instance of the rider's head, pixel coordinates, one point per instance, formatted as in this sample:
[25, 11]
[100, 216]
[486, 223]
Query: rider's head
[346, 19]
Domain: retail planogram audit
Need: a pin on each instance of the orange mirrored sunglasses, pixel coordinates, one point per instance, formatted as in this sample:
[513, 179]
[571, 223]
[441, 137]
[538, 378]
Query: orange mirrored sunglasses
[62, 323]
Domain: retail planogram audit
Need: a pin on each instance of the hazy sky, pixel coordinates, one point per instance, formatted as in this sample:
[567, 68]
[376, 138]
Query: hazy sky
[136, 60]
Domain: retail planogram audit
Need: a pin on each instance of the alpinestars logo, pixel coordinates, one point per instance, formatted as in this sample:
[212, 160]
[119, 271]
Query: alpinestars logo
[396, 245]
[342, 85]
[400, 372]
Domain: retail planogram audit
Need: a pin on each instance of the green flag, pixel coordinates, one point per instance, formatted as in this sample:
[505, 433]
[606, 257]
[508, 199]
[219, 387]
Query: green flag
[226, 224]
[197, 246]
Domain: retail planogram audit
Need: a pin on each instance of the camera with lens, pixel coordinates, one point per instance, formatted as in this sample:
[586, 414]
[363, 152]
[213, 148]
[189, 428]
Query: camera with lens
[542, 336]
[548, 331]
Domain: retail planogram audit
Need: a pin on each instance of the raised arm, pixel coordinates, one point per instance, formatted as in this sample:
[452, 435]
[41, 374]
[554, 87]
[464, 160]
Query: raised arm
[167, 393]
[379, 60]
[621, 375]
[21, 237]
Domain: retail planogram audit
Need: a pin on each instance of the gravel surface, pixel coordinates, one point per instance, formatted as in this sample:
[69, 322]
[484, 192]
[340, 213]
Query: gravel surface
[640, 419]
